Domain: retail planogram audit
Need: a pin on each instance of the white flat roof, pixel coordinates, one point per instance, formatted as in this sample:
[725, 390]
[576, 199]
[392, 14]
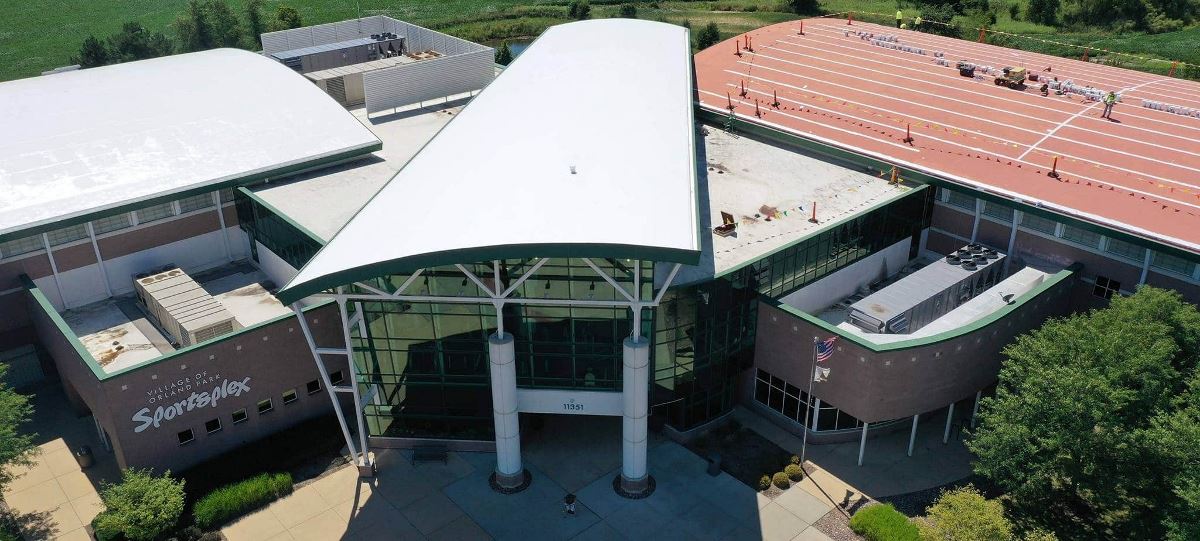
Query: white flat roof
[85, 141]
[610, 98]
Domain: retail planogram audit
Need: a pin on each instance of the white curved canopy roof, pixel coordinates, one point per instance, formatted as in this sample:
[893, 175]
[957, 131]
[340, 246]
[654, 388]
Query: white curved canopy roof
[610, 98]
[80, 142]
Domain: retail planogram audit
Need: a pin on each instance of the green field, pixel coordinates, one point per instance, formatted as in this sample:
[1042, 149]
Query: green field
[37, 35]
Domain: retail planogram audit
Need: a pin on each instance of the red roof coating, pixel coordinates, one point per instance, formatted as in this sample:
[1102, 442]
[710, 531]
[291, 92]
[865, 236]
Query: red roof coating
[1139, 173]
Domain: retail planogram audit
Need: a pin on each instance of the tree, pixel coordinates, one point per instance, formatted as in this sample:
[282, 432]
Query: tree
[804, 7]
[963, 514]
[141, 506]
[92, 53]
[503, 54]
[1042, 11]
[579, 10]
[628, 11]
[134, 42]
[255, 24]
[287, 18]
[708, 36]
[208, 24]
[16, 448]
[1092, 431]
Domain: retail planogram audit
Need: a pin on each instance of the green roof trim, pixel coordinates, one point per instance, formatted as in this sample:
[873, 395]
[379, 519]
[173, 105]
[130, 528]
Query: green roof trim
[408, 265]
[1050, 282]
[47, 307]
[296, 168]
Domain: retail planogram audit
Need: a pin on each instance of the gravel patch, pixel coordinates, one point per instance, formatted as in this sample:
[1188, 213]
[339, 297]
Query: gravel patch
[836, 526]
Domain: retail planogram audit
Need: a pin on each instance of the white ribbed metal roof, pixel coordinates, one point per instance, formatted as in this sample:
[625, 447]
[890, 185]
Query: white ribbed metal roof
[85, 141]
[584, 146]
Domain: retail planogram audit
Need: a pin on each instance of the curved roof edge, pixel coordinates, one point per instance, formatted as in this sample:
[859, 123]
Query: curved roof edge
[408, 265]
[581, 184]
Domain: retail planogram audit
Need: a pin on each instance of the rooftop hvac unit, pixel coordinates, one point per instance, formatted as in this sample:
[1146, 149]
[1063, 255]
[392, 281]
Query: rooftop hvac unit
[929, 293]
[183, 308]
[338, 54]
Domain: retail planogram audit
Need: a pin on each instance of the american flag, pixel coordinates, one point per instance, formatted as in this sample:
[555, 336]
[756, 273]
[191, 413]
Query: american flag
[825, 349]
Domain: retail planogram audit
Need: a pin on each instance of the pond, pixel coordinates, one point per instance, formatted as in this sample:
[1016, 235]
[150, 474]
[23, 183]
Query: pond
[515, 45]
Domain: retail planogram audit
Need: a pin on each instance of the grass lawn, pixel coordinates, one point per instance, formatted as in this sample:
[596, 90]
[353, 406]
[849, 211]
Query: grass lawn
[37, 35]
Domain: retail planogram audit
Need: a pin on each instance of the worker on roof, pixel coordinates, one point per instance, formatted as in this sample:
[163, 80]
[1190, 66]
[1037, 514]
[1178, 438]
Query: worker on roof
[1110, 99]
[917, 23]
[899, 18]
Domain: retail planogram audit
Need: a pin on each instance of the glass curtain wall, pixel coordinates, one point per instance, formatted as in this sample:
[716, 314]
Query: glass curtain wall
[274, 232]
[704, 337]
[429, 361]
[807, 261]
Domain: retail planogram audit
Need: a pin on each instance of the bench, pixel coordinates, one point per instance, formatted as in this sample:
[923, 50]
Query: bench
[430, 453]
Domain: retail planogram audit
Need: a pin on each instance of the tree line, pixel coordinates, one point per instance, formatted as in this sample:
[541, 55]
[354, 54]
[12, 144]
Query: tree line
[1152, 16]
[205, 24]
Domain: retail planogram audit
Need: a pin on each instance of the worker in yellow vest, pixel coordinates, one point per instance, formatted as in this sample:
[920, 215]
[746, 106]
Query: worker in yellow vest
[899, 18]
[917, 23]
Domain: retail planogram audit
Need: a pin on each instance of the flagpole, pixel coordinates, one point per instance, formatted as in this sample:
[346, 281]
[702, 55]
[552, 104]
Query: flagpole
[808, 406]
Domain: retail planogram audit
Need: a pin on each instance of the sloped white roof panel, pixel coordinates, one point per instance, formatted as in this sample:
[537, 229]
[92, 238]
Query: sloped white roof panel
[610, 98]
[85, 141]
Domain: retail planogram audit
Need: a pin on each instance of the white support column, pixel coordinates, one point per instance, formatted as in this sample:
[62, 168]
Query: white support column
[816, 414]
[216, 197]
[912, 435]
[1145, 267]
[502, 356]
[949, 419]
[635, 380]
[99, 259]
[975, 409]
[364, 463]
[337, 406]
[54, 269]
[862, 444]
[975, 224]
[1012, 239]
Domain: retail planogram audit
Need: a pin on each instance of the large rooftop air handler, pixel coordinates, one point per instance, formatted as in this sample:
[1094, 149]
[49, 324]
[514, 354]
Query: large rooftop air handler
[929, 293]
[182, 307]
[342, 53]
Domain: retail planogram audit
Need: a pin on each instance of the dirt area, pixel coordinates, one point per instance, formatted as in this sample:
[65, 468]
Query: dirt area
[745, 455]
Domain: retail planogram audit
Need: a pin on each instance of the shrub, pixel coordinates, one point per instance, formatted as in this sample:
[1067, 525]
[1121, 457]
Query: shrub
[794, 460]
[781, 480]
[232, 501]
[628, 11]
[709, 36]
[764, 482]
[141, 506]
[882, 522]
[963, 514]
[794, 472]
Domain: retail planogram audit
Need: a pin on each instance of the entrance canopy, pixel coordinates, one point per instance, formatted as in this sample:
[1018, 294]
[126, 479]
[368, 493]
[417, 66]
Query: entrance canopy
[583, 147]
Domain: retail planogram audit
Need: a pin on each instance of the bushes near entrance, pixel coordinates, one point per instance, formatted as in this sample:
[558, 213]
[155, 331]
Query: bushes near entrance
[232, 501]
[140, 507]
[794, 472]
[781, 481]
[764, 482]
[883, 523]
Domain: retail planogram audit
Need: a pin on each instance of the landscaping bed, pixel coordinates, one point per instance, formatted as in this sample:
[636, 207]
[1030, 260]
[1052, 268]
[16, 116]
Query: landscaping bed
[745, 455]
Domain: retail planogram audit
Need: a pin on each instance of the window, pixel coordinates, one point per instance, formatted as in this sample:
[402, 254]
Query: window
[1081, 236]
[108, 224]
[67, 234]
[314, 386]
[1127, 250]
[997, 211]
[289, 396]
[1037, 223]
[961, 200]
[20, 246]
[1106, 287]
[195, 202]
[186, 437]
[240, 416]
[265, 406]
[1170, 263]
[213, 425]
[155, 212]
[336, 377]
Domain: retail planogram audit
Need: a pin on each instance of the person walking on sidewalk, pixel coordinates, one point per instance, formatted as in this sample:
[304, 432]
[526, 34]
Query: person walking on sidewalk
[899, 18]
[1109, 100]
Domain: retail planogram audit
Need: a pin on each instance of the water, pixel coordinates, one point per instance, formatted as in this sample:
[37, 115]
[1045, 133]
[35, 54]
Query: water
[516, 46]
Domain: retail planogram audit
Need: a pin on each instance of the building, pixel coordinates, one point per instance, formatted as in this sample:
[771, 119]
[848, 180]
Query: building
[591, 234]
